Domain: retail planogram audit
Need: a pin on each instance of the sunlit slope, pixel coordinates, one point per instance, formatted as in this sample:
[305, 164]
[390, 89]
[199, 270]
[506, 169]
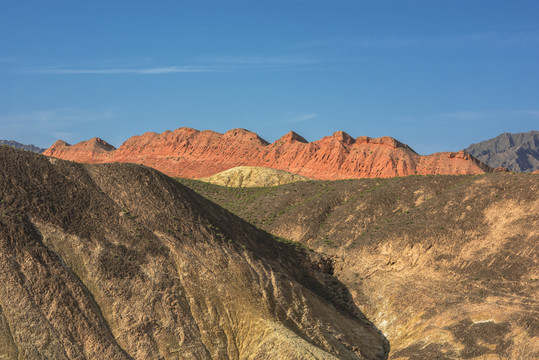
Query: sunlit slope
[445, 266]
[253, 176]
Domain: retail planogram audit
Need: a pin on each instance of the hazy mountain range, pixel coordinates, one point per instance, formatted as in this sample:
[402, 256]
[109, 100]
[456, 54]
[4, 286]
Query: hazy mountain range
[18, 145]
[516, 152]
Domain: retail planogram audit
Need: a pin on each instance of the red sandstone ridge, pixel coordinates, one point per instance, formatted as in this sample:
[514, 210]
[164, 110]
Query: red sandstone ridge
[91, 151]
[190, 153]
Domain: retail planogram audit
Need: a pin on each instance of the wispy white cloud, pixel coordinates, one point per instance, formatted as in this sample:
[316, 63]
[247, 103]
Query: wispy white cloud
[300, 117]
[150, 70]
[256, 61]
[202, 65]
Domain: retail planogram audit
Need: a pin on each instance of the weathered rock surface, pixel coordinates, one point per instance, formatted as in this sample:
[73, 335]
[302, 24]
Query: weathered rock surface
[118, 261]
[446, 266]
[190, 153]
[253, 176]
[516, 152]
[90, 151]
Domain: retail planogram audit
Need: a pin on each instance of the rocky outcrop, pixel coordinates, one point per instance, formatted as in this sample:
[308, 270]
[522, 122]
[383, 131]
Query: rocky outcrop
[90, 151]
[516, 152]
[118, 261]
[190, 153]
[252, 176]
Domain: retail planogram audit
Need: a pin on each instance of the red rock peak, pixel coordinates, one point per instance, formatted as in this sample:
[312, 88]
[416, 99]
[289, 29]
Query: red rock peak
[187, 130]
[59, 143]
[292, 136]
[243, 135]
[101, 144]
[343, 137]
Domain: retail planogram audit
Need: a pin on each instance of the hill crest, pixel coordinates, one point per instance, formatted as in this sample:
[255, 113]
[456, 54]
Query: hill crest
[119, 261]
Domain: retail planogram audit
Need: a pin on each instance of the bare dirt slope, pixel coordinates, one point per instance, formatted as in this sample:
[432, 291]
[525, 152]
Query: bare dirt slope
[446, 266]
[190, 153]
[118, 261]
[253, 176]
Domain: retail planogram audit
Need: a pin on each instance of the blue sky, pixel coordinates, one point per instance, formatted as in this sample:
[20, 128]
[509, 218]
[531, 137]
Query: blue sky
[435, 74]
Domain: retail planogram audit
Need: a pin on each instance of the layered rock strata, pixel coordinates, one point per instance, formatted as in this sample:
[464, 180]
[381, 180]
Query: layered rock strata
[190, 153]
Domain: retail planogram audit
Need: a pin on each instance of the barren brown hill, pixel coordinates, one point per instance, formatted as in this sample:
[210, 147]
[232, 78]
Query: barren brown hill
[190, 153]
[445, 266]
[118, 261]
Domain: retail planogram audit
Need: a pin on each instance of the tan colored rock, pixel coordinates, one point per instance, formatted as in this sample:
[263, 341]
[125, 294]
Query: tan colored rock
[190, 153]
[252, 176]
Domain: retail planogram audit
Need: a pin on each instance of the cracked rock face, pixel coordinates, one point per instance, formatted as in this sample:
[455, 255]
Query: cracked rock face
[190, 153]
[119, 261]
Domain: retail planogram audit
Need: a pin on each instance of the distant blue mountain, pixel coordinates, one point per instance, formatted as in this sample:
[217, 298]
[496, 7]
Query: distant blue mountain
[21, 146]
[516, 152]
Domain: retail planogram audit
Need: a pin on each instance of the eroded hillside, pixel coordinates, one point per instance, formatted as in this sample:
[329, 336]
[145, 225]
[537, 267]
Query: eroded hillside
[253, 176]
[445, 266]
[118, 261]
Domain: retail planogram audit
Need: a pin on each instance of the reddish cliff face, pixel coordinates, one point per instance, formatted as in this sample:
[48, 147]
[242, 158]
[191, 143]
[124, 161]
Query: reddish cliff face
[190, 153]
[90, 151]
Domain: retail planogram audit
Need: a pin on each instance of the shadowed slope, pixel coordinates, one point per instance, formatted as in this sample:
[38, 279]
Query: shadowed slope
[120, 261]
[446, 266]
